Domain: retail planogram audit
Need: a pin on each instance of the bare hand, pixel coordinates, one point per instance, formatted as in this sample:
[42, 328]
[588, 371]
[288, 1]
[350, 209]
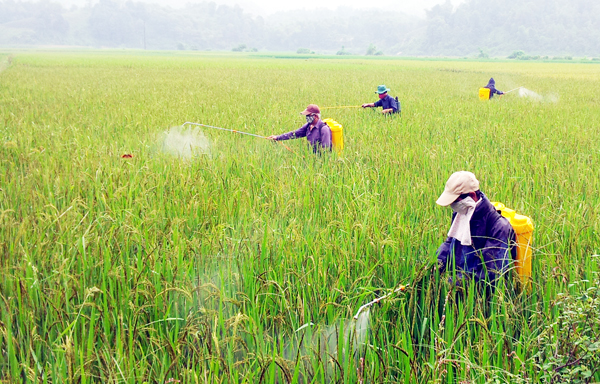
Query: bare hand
[272, 137]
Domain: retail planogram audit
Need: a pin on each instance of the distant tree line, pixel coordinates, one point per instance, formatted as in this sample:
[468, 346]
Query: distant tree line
[477, 27]
[540, 27]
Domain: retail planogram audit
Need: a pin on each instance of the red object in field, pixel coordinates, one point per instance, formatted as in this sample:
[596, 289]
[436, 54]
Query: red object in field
[127, 156]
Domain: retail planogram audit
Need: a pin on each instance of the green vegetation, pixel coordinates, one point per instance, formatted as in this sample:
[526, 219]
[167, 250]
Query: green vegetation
[516, 55]
[372, 51]
[154, 267]
[485, 55]
[343, 52]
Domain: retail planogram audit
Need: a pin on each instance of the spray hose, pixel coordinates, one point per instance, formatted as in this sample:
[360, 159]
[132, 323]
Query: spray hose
[343, 106]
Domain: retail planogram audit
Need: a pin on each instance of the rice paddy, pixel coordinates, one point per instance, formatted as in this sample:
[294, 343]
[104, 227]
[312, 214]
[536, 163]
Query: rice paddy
[207, 256]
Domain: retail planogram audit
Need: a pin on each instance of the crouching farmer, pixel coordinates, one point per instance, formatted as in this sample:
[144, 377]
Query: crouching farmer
[479, 241]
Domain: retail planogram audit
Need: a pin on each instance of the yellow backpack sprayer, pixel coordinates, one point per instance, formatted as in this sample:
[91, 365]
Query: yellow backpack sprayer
[337, 135]
[484, 93]
[523, 227]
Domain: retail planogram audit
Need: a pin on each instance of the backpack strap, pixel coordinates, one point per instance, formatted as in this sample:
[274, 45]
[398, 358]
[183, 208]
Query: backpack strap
[325, 125]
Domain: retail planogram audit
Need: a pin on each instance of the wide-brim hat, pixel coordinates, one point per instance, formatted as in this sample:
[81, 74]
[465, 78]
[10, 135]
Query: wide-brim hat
[382, 89]
[459, 183]
[311, 110]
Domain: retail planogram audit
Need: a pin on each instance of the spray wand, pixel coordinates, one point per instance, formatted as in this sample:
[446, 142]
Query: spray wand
[513, 90]
[400, 288]
[224, 129]
[234, 131]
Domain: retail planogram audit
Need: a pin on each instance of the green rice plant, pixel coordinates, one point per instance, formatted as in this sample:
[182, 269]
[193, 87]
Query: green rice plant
[203, 268]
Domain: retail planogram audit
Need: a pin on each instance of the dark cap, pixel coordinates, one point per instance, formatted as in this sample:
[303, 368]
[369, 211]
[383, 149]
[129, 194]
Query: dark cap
[311, 109]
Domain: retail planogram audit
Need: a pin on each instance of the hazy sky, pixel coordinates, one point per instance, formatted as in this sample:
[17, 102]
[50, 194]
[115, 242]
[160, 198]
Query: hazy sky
[267, 7]
[271, 6]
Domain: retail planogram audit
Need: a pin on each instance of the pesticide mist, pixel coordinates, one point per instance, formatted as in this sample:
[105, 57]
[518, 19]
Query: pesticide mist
[185, 142]
[524, 92]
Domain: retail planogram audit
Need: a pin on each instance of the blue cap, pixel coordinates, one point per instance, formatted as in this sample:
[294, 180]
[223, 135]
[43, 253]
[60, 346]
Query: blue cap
[382, 89]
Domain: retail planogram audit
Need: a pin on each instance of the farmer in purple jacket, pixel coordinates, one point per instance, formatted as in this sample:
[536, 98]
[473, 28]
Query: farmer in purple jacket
[491, 85]
[315, 130]
[479, 243]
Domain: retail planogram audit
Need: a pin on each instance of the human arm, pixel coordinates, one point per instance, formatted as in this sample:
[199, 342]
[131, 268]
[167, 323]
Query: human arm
[300, 132]
[368, 105]
[442, 254]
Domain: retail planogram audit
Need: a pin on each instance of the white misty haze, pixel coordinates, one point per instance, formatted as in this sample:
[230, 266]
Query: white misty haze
[268, 7]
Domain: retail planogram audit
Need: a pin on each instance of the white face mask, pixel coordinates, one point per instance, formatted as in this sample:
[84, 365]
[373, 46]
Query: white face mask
[462, 207]
[461, 226]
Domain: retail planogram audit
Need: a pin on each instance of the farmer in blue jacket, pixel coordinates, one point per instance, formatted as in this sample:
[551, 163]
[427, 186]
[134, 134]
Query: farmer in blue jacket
[491, 85]
[479, 244]
[315, 130]
[387, 102]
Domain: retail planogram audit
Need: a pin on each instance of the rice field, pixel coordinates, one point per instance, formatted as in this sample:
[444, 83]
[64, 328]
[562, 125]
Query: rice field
[242, 261]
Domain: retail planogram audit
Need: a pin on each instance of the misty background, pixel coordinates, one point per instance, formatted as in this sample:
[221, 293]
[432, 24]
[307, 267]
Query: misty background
[408, 28]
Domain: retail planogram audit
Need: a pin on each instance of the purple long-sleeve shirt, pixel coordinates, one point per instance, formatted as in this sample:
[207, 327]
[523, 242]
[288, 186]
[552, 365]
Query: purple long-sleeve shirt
[318, 136]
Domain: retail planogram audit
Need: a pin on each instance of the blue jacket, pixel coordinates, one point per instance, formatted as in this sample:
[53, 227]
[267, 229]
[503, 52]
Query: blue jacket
[492, 251]
[388, 102]
[491, 85]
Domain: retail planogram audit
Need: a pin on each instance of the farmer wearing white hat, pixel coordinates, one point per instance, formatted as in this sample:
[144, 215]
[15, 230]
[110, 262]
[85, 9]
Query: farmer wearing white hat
[387, 102]
[479, 243]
